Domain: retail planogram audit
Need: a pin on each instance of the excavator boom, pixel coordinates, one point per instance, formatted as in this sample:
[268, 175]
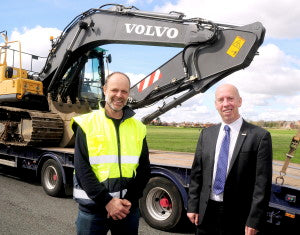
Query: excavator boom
[209, 53]
[127, 25]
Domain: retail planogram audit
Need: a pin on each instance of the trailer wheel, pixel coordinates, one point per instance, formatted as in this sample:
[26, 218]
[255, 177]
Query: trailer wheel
[51, 178]
[161, 204]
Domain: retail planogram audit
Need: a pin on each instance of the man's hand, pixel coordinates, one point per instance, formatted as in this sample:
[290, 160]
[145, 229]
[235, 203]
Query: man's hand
[250, 231]
[117, 208]
[126, 203]
[193, 217]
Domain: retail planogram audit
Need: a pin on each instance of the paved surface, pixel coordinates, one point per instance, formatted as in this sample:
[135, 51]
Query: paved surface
[26, 209]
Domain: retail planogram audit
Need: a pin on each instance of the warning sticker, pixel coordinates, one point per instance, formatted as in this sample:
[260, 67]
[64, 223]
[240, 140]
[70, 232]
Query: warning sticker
[236, 46]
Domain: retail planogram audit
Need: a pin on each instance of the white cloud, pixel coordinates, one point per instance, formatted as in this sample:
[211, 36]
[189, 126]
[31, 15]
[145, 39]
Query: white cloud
[135, 78]
[281, 18]
[292, 101]
[34, 41]
[279, 115]
[270, 73]
[131, 2]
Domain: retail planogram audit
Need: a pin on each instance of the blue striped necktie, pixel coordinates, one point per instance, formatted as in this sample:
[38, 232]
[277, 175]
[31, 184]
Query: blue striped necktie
[222, 163]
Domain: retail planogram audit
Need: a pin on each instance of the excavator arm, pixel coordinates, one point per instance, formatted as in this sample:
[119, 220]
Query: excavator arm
[72, 78]
[210, 51]
[198, 67]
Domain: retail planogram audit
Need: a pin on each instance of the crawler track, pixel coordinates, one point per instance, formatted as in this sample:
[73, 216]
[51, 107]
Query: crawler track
[24, 127]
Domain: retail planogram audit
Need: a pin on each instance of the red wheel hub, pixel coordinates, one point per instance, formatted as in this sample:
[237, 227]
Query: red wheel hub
[165, 202]
[54, 177]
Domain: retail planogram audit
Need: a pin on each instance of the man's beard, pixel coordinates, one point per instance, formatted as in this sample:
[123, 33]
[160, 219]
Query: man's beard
[109, 103]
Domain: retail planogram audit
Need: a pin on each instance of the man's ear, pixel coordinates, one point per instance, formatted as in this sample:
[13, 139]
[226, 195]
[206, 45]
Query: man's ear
[104, 89]
[240, 102]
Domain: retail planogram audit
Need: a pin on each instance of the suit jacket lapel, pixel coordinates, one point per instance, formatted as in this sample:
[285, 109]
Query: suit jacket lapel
[213, 136]
[239, 142]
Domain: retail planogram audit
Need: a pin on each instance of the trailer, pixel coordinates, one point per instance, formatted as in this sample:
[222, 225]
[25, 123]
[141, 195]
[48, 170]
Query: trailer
[53, 166]
[164, 203]
[165, 197]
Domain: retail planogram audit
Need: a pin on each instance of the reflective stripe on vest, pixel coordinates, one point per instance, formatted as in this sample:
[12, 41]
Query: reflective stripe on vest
[80, 193]
[112, 159]
[81, 197]
[103, 149]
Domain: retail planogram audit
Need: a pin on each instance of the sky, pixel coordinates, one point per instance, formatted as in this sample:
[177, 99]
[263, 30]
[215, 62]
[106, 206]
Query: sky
[269, 87]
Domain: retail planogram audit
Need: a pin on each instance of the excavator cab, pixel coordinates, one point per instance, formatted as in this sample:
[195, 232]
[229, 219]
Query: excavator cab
[82, 80]
[92, 76]
[15, 85]
[90, 85]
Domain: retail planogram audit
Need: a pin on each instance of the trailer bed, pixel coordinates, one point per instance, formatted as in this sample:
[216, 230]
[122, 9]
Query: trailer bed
[185, 160]
[169, 158]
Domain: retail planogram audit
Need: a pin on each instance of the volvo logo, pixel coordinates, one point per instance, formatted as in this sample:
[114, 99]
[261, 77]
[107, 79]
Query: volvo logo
[149, 30]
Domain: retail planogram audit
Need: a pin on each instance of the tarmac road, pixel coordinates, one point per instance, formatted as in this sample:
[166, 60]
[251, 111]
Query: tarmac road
[26, 209]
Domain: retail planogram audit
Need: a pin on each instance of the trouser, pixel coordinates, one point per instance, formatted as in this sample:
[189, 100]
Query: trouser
[215, 222]
[88, 224]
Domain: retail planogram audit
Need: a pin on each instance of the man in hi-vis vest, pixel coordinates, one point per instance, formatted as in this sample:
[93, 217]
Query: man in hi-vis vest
[111, 163]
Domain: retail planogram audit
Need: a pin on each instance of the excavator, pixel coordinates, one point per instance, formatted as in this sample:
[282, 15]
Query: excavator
[36, 110]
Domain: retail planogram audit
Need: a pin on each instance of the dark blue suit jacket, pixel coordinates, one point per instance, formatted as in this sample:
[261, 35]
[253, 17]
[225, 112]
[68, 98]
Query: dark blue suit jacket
[248, 183]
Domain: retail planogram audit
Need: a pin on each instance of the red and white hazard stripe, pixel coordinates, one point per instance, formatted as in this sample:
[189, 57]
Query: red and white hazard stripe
[148, 81]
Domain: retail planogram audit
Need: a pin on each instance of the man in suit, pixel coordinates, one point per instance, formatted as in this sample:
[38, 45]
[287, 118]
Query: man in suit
[230, 196]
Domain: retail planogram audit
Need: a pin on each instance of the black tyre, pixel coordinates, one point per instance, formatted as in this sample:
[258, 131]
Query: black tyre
[161, 204]
[51, 178]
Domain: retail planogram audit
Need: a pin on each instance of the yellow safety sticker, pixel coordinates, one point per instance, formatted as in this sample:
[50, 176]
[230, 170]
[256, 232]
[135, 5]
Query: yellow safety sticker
[236, 46]
[290, 215]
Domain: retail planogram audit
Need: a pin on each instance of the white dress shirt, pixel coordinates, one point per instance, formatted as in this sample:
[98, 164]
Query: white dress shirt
[234, 131]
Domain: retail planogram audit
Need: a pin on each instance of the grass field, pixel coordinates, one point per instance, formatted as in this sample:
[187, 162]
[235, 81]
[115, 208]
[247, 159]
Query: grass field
[185, 140]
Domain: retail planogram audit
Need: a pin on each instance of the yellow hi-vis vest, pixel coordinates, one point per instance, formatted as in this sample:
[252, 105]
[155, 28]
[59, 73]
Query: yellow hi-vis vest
[113, 163]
